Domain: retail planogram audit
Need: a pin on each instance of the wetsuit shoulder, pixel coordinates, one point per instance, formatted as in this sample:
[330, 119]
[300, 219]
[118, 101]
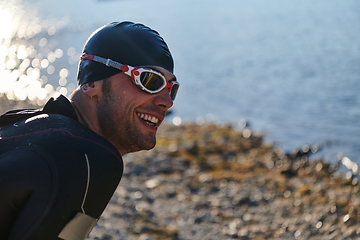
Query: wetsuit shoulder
[84, 170]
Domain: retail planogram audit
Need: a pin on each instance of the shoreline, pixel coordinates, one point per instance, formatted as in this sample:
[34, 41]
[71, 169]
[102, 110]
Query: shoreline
[215, 182]
[212, 182]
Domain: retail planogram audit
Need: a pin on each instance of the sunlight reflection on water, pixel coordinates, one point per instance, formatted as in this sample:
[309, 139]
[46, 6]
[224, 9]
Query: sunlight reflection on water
[28, 58]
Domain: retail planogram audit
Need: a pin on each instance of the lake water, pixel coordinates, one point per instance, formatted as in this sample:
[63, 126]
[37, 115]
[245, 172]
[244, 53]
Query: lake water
[291, 69]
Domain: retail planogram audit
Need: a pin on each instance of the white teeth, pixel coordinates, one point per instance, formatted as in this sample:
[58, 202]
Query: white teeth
[148, 118]
[154, 120]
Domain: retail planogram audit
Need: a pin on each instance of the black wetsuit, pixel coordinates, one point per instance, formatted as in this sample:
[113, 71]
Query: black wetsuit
[56, 175]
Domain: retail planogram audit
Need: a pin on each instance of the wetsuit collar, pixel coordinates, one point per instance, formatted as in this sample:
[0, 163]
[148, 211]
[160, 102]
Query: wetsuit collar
[60, 105]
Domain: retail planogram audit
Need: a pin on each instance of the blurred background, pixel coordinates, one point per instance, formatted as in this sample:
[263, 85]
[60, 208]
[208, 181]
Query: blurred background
[289, 70]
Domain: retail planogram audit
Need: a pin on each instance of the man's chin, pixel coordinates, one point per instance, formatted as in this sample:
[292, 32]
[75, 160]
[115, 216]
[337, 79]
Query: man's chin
[151, 145]
[145, 145]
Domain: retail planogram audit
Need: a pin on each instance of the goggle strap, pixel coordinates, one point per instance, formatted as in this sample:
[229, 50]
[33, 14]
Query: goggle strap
[107, 62]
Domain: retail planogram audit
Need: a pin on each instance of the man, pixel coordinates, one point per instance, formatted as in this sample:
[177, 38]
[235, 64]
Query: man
[60, 165]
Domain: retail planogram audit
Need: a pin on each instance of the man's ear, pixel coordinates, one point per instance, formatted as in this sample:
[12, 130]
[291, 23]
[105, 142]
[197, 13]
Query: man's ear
[91, 89]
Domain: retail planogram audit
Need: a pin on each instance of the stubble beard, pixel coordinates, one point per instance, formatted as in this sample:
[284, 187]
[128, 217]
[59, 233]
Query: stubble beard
[122, 134]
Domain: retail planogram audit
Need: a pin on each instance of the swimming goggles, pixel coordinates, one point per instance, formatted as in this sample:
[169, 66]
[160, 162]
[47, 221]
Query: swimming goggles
[145, 78]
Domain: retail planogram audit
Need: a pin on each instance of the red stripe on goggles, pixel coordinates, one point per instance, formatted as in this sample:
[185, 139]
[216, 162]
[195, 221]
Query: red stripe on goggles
[146, 79]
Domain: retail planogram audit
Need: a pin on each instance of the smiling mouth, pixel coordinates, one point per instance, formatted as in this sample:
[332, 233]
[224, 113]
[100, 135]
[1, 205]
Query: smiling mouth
[151, 120]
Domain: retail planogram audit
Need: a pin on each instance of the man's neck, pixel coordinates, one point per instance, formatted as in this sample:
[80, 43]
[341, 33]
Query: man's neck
[85, 111]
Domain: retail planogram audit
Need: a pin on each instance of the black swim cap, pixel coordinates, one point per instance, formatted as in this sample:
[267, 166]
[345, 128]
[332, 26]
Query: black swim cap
[127, 43]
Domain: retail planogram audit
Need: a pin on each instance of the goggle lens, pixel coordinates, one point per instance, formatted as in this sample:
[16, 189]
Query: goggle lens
[151, 81]
[155, 82]
[174, 90]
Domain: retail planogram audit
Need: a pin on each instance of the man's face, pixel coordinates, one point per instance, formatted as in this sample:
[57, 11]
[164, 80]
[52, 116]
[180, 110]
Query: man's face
[128, 116]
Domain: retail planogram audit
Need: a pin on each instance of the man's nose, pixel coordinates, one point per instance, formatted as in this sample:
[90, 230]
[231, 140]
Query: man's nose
[163, 98]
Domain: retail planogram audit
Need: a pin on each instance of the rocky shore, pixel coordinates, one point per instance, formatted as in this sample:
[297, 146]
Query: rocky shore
[214, 182]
